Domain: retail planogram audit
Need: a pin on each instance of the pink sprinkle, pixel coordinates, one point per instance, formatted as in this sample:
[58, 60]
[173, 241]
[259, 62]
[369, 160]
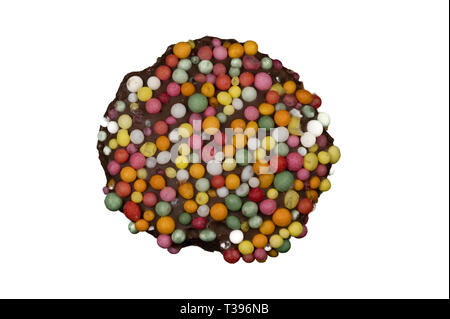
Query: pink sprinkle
[260, 254]
[216, 42]
[251, 113]
[303, 174]
[164, 241]
[293, 141]
[263, 81]
[220, 53]
[153, 106]
[173, 89]
[113, 168]
[268, 206]
[137, 160]
[173, 250]
[210, 111]
[147, 131]
[170, 120]
[131, 148]
[294, 161]
[167, 194]
[211, 78]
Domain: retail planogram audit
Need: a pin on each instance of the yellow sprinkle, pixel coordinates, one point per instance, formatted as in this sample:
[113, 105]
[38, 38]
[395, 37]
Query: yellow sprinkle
[148, 149]
[113, 144]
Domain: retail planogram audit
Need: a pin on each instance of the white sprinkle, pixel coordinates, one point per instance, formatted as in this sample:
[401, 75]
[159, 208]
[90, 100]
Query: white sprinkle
[134, 83]
[253, 182]
[163, 157]
[236, 236]
[153, 82]
[132, 97]
[150, 162]
[137, 136]
[222, 192]
[113, 127]
[178, 110]
[314, 127]
[308, 139]
[203, 211]
[302, 151]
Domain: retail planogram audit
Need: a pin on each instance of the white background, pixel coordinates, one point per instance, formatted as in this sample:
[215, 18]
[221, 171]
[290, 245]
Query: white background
[381, 68]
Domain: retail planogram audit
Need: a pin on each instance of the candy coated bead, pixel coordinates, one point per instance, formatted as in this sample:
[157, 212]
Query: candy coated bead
[231, 255]
[335, 154]
[246, 247]
[178, 236]
[324, 119]
[207, 235]
[182, 50]
[276, 241]
[324, 157]
[263, 81]
[205, 66]
[137, 136]
[255, 222]
[233, 202]
[236, 236]
[256, 194]
[137, 160]
[249, 94]
[266, 63]
[286, 245]
[233, 222]
[310, 161]
[180, 76]
[173, 250]
[325, 185]
[164, 241]
[184, 64]
[144, 93]
[293, 141]
[295, 229]
[235, 50]
[294, 161]
[283, 181]
[197, 103]
[167, 194]
[314, 127]
[113, 168]
[249, 209]
[132, 228]
[308, 139]
[153, 82]
[165, 225]
[291, 199]
[132, 211]
[308, 111]
[184, 218]
[250, 47]
[251, 63]
[220, 53]
[150, 199]
[205, 53]
[113, 202]
[163, 208]
[305, 206]
[260, 254]
[134, 83]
